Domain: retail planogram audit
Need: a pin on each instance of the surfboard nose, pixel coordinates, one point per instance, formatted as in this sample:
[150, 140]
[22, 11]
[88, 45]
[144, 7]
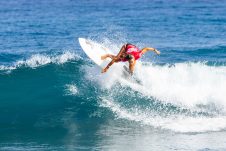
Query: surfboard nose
[81, 39]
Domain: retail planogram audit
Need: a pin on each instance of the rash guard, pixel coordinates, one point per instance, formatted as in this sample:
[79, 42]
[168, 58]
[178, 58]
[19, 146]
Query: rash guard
[132, 50]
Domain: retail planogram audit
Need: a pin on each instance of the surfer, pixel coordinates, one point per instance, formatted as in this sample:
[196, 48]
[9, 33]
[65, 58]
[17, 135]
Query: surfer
[130, 53]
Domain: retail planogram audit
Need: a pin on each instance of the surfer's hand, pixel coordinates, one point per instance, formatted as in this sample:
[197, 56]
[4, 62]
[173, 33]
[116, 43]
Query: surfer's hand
[157, 52]
[104, 70]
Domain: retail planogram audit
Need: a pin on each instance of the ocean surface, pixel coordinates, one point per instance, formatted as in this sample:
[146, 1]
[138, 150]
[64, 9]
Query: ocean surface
[53, 97]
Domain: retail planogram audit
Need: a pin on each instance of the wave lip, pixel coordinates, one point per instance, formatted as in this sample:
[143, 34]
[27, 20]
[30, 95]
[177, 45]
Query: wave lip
[37, 60]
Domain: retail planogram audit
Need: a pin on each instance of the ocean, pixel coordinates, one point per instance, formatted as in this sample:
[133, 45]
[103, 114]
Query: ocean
[53, 97]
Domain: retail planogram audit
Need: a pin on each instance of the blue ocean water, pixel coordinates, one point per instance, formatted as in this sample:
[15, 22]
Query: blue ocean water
[53, 97]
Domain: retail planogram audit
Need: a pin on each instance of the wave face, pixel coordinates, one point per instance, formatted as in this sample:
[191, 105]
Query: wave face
[181, 97]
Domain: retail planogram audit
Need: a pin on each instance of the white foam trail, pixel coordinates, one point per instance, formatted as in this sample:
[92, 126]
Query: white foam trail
[177, 123]
[186, 85]
[37, 60]
[2, 67]
[71, 89]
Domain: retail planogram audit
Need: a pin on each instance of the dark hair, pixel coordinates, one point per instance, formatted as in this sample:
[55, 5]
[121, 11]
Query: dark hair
[128, 57]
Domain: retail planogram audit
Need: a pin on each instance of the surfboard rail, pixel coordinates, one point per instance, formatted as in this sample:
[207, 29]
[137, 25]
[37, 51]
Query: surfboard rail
[94, 51]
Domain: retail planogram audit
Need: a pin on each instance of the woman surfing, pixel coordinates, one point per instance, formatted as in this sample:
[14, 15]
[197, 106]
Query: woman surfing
[130, 53]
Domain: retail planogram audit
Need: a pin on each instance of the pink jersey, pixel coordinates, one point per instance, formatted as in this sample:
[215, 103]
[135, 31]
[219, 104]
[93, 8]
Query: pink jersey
[133, 50]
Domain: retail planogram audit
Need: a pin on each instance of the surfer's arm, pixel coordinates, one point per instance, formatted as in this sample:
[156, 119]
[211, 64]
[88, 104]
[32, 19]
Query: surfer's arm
[108, 66]
[132, 64]
[144, 50]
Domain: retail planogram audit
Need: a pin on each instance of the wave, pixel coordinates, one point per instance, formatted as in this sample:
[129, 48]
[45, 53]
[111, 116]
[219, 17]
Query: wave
[182, 97]
[37, 60]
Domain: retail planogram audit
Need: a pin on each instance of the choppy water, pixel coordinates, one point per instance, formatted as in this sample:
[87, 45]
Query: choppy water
[52, 97]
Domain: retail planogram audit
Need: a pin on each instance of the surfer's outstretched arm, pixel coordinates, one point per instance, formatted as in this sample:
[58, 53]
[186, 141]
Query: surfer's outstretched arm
[144, 50]
[107, 56]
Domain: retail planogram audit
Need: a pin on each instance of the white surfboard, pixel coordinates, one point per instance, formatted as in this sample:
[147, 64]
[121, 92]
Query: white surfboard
[94, 51]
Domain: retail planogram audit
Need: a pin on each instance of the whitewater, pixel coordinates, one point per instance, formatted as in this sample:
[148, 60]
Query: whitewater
[195, 87]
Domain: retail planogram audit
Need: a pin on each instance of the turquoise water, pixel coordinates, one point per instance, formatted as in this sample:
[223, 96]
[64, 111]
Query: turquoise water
[52, 97]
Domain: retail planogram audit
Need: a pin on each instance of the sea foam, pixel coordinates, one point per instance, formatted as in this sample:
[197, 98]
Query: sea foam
[185, 84]
[37, 60]
[71, 89]
[196, 87]
[177, 123]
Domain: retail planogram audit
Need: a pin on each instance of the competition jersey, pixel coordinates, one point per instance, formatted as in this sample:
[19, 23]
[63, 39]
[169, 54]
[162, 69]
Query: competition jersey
[132, 50]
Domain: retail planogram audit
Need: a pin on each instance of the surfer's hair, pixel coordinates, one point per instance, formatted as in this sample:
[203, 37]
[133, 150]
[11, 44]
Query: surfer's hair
[129, 57]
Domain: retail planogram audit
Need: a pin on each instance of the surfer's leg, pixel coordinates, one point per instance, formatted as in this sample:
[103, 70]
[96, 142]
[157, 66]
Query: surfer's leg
[122, 51]
[119, 55]
[107, 56]
[132, 63]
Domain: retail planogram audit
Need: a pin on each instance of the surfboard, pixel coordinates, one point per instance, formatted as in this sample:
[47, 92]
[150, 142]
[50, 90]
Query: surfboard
[94, 51]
